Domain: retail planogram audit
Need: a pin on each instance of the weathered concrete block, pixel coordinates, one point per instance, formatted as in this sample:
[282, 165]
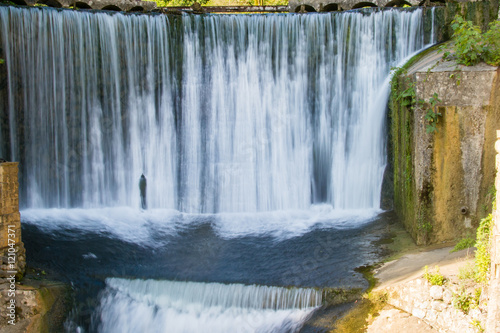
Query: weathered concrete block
[443, 180]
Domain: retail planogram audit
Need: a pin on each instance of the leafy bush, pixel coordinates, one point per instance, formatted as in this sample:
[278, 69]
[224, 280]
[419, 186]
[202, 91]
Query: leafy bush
[435, 278]
[463, 244]
[432, 115]
[165, 3]
[464, 301]
[468, 41]
[461, 301]
[492, 48]
[471, 46]
[483, 248]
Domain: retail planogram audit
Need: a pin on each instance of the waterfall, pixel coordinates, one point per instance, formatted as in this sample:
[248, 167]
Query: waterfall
[168, 306]
[222, 113]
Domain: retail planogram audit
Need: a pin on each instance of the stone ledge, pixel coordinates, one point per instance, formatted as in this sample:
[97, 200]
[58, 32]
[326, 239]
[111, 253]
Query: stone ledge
[41, 306]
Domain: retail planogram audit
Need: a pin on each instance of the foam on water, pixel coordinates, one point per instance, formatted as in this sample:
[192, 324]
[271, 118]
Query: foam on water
[168, 306]
[148, 227]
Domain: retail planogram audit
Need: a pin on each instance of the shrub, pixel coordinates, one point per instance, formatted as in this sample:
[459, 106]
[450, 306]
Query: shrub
[483, 249]
[471, 46]
[463, 244]
[464, 301]
[435, 278]
[492, 48]
[468, 42]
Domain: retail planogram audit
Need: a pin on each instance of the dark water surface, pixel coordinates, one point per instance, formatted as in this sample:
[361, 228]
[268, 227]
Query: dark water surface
[322, 256]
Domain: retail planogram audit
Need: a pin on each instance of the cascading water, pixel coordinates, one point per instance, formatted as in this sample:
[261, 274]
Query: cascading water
[258, 135]
[168, 306]
[221, 113]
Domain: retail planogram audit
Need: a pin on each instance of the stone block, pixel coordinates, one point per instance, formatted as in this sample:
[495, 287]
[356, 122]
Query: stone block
[447, 296]
[438, 306]
[436, 292]
[419, 313]
[431, 317]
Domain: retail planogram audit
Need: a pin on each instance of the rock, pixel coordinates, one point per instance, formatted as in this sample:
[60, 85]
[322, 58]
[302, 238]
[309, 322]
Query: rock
[475, 314]
[447, 296]
[436, 292]
[438, 306]
[431, 316]
[419, 313]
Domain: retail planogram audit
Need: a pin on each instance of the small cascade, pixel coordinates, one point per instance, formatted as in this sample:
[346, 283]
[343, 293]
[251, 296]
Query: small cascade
[169, 306]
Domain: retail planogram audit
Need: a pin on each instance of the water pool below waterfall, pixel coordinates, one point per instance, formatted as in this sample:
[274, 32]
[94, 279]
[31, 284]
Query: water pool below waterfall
[164, 271]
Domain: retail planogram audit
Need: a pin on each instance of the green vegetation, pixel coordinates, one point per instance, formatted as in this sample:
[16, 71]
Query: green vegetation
[425, 227]
[435, 278]
[483, 249]
[477, 325]
[168, 3]
[467, 272]
[470, 46]
[464, 301]
[492, 41]
[431, 115]
[367, 272]
[463, 244]
[362, 314]
[407, 97]
[165, 3]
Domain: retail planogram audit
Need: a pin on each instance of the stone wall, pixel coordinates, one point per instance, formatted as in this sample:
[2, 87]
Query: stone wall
[113, 5]
[12, 251]
[435, 306]
[443, 180]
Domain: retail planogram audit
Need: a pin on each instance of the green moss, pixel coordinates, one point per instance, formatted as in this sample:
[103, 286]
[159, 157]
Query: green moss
[367, 272]
[358, 318]
[335, 296]
[402, 143]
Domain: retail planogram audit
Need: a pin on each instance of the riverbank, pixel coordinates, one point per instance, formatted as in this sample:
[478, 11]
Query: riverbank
[404, 300]
[42, 304]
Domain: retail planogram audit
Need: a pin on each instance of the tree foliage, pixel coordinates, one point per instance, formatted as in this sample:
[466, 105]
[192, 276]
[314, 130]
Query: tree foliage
[186, 3]
[180, 3]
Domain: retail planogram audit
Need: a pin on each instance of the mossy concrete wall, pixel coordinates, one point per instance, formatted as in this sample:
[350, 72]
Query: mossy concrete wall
[443, 181]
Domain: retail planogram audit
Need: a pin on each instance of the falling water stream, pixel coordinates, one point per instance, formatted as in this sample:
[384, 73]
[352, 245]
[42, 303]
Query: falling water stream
[262, 138]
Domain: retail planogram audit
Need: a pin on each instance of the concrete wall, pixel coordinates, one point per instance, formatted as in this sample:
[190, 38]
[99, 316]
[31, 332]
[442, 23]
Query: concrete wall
[12, 251]
[443, 181]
